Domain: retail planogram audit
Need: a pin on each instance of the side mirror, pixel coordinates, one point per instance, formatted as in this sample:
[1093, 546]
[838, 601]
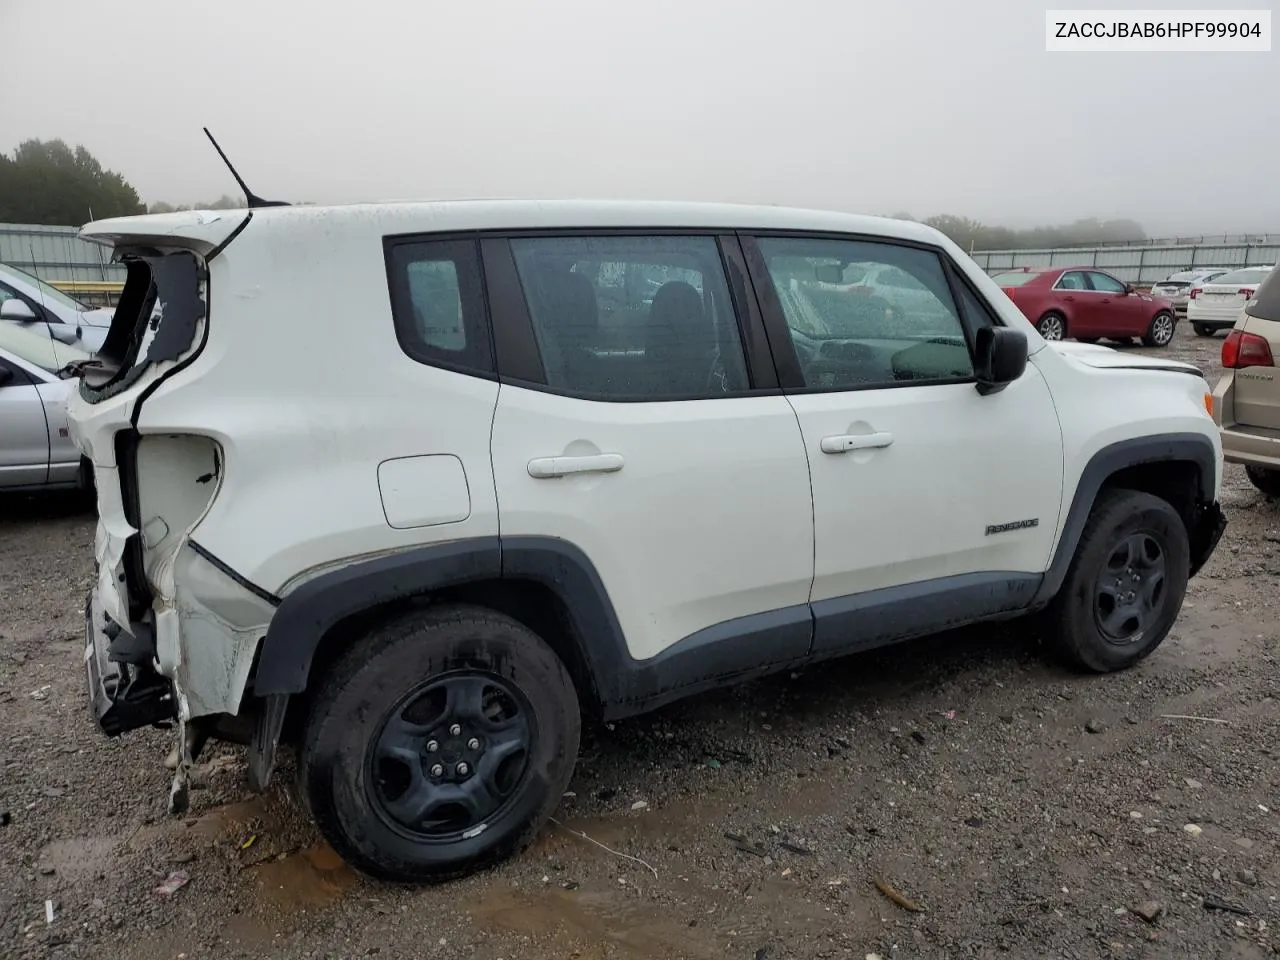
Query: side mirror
[6, 375]
[17, 310]
[1001, 358]
[1128, 288]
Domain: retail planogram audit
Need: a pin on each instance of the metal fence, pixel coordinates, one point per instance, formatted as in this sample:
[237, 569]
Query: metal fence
[1140, 264]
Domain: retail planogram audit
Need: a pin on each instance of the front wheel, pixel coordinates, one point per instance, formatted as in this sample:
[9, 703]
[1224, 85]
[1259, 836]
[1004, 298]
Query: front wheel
[1124, 587]
[1265, 479]
[1160, 333]
[1203, 330]
[439, 745]
[1053, 326]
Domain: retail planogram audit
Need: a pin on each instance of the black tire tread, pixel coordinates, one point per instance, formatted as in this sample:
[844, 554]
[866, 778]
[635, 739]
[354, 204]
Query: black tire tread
[1264, 479]
[1060, 624]
[443, 618]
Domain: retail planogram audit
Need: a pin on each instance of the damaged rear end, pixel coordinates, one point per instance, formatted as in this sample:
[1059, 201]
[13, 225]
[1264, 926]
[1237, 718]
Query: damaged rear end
[170, 631]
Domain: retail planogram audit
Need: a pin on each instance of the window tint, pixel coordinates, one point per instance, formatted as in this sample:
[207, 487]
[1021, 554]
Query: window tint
[872, 333]
[1014, 279]
[633, 317]
[1104, 283]
[1072, 281]
[438, 304]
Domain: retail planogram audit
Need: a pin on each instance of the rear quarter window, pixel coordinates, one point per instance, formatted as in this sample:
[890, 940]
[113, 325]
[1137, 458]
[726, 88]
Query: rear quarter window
[437, 303]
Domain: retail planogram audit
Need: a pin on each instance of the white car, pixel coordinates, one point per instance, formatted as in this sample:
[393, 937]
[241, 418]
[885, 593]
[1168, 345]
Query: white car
[36, 449]
[1177, 286]
[480, 511]
[28, 301]
[1218, 304]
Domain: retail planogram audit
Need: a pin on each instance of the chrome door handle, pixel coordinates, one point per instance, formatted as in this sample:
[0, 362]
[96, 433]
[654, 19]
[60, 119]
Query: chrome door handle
[544, 468]
[855, 441]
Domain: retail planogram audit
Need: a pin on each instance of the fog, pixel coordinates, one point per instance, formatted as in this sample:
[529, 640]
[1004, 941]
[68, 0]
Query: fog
[926, 107]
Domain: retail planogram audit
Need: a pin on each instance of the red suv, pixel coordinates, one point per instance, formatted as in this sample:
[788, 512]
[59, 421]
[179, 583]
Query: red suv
[1087, 304]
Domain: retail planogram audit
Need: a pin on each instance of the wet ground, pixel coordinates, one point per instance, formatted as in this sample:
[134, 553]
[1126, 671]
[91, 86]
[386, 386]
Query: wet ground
[1027, 812]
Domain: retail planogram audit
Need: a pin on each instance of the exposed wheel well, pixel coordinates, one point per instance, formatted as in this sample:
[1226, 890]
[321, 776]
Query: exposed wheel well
[532, 604]
[1177, 482]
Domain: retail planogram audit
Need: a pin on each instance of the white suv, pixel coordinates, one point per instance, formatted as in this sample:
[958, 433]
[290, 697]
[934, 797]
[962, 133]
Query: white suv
[410, 486]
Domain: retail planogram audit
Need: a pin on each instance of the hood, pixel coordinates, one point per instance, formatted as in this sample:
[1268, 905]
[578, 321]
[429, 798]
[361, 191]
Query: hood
[101, 317]
[1107, 358]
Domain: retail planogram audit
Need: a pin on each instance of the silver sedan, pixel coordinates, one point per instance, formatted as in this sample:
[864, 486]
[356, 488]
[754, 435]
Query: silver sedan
[36, 450]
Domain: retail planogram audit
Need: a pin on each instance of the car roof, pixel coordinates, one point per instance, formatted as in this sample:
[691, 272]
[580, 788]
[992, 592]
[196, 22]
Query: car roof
[432, 216]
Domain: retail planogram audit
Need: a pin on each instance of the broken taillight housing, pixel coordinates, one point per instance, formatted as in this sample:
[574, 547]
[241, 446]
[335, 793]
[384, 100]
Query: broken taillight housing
[1242, 349]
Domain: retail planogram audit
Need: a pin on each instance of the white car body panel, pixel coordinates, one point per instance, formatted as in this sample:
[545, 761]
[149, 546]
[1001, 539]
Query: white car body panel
[1221, 303]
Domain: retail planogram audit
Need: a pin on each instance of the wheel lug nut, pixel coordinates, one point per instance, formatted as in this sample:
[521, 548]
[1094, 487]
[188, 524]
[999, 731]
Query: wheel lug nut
[432, 746]
[473, 744]
[463, 769]
[437, 770]
[455, 729]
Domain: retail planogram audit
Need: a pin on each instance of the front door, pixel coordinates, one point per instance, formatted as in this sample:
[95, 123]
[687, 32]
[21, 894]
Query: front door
[24, 435]
[1120, 313]
[641, 437]
[932, 503]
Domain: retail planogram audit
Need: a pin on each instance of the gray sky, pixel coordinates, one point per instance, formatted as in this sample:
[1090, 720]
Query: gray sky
[928, 106]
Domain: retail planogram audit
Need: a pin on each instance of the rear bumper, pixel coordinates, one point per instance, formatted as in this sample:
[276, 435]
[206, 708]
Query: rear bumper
[1251, 447]
[123, 696]
[1207, 525]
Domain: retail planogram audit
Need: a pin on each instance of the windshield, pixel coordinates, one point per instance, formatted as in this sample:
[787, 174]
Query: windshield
[1015, 279]
[46, 290]
[37, 347]
[1247, 275]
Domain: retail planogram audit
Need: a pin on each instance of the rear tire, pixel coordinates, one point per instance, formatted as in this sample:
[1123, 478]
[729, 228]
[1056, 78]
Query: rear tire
[439, 745]
[1202, 330]
[1265, 479]
[1125, 585]
[1052, 326]
[1160, 333]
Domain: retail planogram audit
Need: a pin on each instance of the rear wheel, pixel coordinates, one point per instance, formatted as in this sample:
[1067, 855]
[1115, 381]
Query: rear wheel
[1265, 479]
[1124, 587]
[1160, 333]
[1052, 326]
[439, 745]
[1203, 330]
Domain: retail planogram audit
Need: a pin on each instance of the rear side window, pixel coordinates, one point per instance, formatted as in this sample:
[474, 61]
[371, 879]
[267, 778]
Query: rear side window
[1265, 304]
[437, 302]
[635, 318]
[1014, 279]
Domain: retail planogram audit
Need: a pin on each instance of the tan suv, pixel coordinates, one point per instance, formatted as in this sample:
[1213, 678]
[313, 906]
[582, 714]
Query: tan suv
[1246, 401]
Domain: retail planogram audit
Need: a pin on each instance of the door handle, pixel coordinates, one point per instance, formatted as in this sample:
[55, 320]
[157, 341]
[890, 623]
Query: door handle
[855, 441]
[543, 468]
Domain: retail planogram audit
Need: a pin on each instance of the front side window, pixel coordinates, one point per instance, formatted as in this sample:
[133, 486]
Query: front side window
[1105, 283]
[898, 324]
[645, 317]
[437, 302]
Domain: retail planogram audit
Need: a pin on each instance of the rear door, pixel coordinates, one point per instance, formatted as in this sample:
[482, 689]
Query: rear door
[631, 424]
[24, 434]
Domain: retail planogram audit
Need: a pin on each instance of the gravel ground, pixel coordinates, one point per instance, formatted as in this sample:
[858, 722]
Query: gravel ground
[1029, 812]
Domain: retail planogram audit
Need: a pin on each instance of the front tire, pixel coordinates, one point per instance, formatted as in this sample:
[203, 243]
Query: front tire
[440, 745]
[1265, 479]
[1203, 330]
[1125, 585]
[1052, 326]
[1160, 333]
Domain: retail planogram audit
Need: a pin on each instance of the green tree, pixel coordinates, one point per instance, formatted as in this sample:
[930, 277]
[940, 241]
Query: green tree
[45, 181]
[224, 202]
